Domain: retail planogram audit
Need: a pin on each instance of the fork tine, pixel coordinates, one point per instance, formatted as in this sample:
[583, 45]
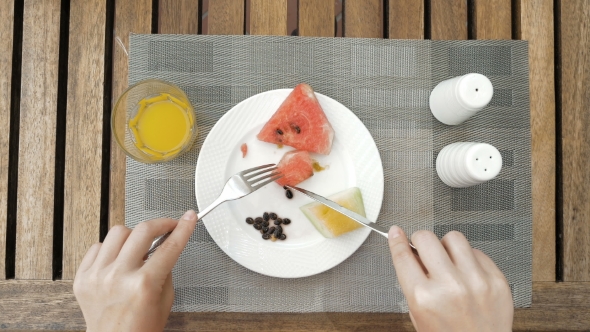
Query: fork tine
[254, 181]
[255, 169]
[249, 176]
[260, 185]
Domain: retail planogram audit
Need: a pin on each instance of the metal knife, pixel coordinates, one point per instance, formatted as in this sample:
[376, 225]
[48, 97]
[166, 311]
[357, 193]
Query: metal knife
[350, 214]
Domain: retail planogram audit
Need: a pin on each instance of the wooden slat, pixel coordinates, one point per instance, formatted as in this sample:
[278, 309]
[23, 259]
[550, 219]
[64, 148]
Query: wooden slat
[36, 158]
[6, 24]
[268, 17]
[448, 19]
[316, 18]
[575, 110]
[493, 19]
[39, 305]
[50, 305]
[130, 16]
[535, 24]
[406, 19]
[363, 18]
[83, 131]
[178, 16]
[226, 17]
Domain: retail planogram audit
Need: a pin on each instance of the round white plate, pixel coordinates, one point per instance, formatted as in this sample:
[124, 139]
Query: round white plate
[353, 162]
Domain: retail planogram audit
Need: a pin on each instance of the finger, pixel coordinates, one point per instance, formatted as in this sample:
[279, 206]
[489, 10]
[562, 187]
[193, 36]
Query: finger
[413, 320]
[408, 269]
[486, 263]
[89, 258]
[164, 259]
[460, 252]
[141, 239]
[167, 294]
[432, 253]
[112, 244]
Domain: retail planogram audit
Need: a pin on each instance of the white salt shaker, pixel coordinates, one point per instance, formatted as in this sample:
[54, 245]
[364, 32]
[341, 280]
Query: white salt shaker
[465, 164]
[455, 100]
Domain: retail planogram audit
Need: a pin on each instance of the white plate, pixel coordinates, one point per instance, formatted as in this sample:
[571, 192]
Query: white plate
[353, 162]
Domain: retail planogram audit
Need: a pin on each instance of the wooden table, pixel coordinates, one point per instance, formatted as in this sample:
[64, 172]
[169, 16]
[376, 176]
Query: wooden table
[64, 63]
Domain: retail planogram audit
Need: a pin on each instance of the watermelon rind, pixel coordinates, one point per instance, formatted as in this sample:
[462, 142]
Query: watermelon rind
[351, 199]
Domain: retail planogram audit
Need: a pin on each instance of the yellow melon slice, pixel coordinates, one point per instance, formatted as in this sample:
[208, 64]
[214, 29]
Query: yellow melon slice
[331, 223]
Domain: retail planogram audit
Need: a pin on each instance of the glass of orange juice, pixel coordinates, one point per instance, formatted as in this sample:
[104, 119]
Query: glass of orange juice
[153, 121]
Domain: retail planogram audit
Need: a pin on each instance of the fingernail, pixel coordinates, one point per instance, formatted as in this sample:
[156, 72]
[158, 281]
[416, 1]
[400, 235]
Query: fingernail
[189, 215]
[394, 232]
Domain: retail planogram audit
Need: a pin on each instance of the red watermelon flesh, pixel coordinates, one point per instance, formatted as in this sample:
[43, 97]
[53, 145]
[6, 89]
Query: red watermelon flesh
[300, 122]
[296, 166]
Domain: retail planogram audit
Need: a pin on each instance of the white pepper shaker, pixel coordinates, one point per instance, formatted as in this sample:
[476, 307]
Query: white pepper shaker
[455, 100]
[465, 164]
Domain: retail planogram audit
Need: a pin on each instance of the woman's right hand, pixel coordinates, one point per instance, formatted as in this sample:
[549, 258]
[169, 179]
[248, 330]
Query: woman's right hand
[451, 286]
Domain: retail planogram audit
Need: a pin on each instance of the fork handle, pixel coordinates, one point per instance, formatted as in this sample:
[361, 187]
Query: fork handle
[160, 239]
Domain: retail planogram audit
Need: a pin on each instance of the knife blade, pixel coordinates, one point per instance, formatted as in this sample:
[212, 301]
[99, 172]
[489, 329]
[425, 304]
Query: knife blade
[337, 207]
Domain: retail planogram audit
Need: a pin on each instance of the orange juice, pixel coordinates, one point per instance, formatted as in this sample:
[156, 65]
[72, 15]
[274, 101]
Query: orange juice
[162, 126]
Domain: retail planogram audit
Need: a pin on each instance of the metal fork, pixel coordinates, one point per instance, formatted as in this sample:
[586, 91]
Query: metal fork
[238, 186]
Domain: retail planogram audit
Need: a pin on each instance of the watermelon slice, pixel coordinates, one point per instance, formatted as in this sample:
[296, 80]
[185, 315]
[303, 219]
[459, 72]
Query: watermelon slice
[296, 166]
[330, 222]
[300, 122]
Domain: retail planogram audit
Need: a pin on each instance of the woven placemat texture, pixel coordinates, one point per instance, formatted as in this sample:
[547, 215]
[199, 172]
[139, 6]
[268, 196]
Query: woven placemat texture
[386, 83]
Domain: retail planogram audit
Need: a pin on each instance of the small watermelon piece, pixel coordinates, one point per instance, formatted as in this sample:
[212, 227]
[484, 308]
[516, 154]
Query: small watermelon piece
[331, 223]
[244, 149]
[296, 166]
[300, 122]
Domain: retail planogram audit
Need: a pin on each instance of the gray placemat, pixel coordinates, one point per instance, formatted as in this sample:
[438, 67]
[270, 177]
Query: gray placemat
[386, 83]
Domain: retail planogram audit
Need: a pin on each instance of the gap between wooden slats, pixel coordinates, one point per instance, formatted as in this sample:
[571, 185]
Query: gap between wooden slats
[6, 37]
[82, 187]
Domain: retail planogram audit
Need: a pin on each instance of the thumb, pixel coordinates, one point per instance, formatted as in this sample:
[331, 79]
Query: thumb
[408, 269]
[164, 259]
